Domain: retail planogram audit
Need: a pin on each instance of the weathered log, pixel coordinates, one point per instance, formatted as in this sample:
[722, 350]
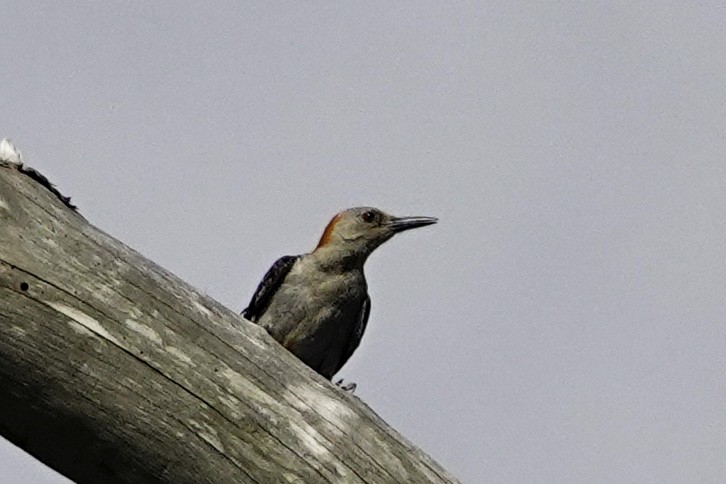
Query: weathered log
[114, 370]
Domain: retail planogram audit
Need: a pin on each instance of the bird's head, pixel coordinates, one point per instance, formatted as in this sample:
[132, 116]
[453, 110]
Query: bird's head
[359, 231]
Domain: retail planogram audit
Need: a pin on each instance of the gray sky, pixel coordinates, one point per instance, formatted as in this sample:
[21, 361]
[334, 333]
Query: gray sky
[564, 322]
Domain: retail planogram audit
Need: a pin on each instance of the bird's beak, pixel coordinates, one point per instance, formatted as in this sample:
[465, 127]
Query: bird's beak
[399, 224]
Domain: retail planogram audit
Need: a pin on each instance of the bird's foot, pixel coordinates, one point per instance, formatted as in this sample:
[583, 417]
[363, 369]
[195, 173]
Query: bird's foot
[349, 387]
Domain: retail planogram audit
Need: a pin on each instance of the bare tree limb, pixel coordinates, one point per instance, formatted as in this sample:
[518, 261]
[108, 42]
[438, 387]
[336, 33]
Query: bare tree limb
[114, 370]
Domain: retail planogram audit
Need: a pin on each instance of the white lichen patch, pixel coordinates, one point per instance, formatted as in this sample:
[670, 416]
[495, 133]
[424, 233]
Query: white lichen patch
[310, 439]
[256, 342]
[144, 330]
[243, 388]
[336, 412]
[79, 318]
[50, 242]
[202, 309]
[255, 334]
[106, 292]
[232, 405]
[9, 153]
[180, 356]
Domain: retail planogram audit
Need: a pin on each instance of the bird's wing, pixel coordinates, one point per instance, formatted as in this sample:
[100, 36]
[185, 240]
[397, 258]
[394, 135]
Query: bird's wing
[357, 335]
[272, 280]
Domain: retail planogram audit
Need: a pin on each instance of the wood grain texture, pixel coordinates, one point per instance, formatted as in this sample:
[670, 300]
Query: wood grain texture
[114, 370]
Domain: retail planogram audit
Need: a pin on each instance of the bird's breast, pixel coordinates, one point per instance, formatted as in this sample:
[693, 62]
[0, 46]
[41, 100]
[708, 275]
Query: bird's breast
[311, 301]
[328, 290]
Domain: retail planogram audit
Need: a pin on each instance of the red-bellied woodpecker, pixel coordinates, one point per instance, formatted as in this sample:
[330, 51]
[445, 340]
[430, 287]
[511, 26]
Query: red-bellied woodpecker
[316, 305]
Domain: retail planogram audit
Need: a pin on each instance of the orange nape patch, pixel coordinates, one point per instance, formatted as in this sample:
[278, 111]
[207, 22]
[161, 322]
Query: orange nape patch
[328, 232]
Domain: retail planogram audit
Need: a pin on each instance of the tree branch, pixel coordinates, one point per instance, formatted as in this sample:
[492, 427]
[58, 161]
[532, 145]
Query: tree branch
[114, 370]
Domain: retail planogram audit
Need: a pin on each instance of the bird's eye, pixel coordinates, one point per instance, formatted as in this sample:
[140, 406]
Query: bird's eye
[368, 216]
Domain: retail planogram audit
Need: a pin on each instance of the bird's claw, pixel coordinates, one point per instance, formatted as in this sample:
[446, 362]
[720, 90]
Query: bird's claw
[350, 387]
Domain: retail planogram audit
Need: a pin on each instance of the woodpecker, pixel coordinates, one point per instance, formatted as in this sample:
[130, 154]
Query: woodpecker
[317, 305]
